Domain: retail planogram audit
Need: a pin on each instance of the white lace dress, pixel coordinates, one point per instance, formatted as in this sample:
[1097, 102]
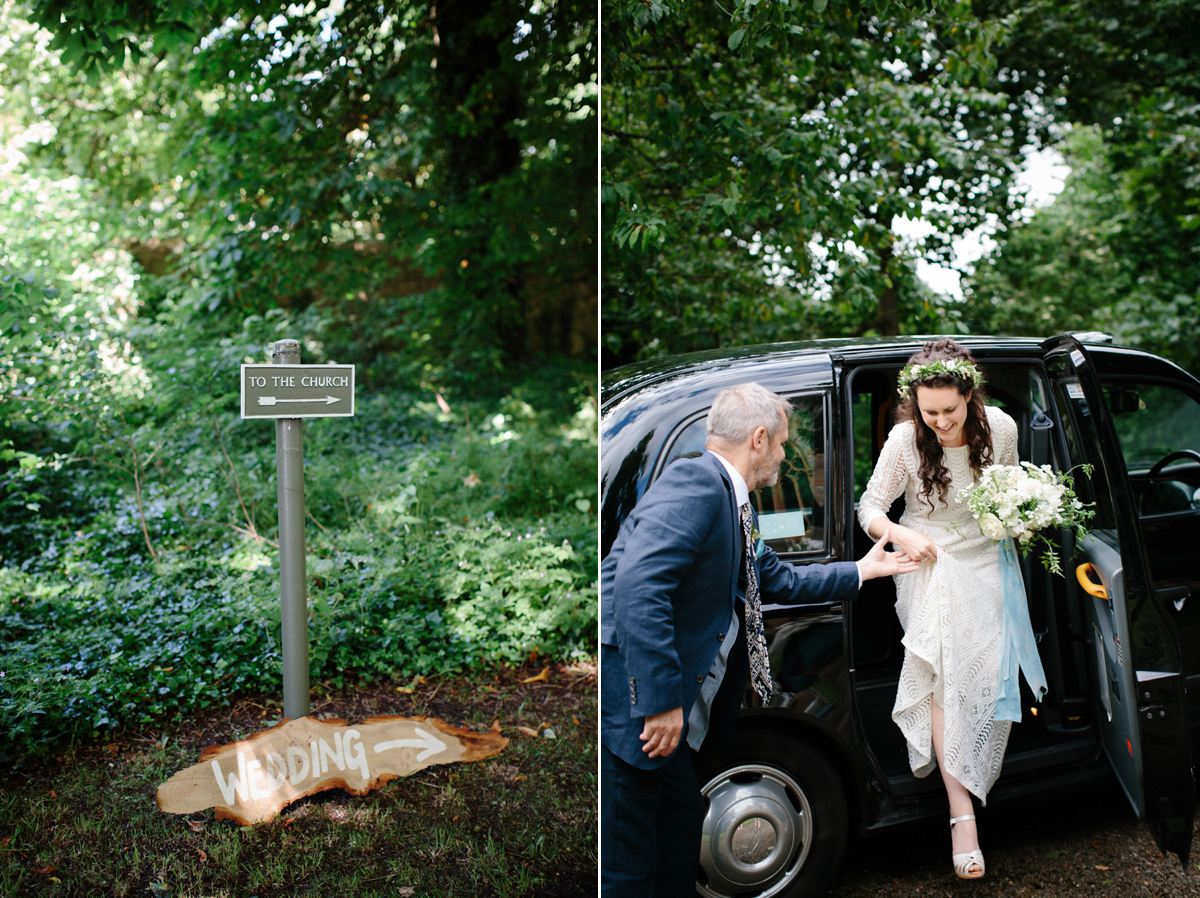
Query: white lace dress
[951, 610]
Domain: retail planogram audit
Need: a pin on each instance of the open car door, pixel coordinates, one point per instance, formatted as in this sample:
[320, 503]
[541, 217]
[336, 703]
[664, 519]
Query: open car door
[1137, 676]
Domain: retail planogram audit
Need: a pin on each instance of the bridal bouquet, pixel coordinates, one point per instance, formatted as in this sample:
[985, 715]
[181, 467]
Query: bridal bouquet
[1022, 500]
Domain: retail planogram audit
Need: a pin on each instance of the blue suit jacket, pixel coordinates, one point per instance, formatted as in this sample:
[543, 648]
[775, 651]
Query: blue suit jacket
[667, 593]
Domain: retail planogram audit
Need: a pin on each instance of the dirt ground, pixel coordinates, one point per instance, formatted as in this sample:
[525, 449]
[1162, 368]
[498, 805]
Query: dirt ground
[1091, 845]
[82, 820]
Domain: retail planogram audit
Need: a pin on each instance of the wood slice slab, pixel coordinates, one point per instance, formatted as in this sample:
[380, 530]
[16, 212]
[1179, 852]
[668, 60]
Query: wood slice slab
[252, 780]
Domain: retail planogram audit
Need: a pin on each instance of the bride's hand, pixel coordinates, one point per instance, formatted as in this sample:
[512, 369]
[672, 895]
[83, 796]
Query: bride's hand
[916, 546]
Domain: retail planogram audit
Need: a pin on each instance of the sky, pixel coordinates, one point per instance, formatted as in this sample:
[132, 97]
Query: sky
[1041, 177]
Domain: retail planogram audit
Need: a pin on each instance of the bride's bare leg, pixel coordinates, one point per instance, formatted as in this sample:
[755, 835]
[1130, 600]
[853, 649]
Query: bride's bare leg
[964, 836]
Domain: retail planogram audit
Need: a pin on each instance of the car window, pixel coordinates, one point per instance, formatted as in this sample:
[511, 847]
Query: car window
[791, 514]
[1083, 442]
[1158, 422]
[1152, 421]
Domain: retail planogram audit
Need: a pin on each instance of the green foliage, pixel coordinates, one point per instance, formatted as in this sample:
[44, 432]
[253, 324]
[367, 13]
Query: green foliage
[1115, 86]
[515, 593]
[756, 163]
[333, 161]
[757, 159]
[91, 651]
[434, 545]
[1056, 272]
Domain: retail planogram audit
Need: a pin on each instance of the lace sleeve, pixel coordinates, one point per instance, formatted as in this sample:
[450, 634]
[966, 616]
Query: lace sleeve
[888, 479]
[1004, 437]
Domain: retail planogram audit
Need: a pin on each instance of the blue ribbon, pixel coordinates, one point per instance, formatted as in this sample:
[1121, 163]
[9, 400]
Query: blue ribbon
[1020, 649]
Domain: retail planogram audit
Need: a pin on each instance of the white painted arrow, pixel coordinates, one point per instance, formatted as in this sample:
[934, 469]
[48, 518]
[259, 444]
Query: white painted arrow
[430, 744]
[271, 400]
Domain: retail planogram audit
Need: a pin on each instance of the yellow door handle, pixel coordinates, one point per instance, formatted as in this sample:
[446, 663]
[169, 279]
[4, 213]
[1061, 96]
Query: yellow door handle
[1084, 574]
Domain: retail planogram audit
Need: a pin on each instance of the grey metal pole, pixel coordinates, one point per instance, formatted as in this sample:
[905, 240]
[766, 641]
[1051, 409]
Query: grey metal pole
[289, 464]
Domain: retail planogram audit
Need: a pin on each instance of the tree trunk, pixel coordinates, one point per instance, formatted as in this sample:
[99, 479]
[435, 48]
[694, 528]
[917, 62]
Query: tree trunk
[482, 96]
[889, 308]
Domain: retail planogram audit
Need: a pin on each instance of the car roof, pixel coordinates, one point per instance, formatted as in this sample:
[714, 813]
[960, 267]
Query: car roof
[724, 367]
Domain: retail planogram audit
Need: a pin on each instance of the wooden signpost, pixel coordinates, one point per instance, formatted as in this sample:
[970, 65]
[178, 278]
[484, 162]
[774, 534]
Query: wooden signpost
[251, 781]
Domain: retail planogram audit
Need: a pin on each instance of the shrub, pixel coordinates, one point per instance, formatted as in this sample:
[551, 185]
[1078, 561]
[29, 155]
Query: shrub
[440, 537]
[512, 593]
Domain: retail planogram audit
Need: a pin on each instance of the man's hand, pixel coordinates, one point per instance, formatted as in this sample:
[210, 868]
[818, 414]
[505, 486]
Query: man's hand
[881, 563]
[661, 733]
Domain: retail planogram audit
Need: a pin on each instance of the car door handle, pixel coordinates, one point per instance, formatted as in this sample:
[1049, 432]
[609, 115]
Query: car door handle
[1084, 574]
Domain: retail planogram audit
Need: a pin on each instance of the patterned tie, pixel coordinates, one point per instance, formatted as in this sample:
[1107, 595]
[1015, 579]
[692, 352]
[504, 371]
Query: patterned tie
[756, 637]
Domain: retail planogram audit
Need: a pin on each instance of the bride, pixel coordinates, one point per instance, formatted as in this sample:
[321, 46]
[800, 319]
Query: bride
[952, 606]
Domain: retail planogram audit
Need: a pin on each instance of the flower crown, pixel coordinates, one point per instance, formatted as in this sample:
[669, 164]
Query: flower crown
[963, 368]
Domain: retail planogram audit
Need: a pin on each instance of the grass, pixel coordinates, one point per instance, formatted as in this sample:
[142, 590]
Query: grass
[523, 823]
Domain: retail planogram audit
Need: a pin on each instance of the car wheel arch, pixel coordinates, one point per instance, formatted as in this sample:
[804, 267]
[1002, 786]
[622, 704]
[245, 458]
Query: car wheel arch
[841, 753]
[794, 777]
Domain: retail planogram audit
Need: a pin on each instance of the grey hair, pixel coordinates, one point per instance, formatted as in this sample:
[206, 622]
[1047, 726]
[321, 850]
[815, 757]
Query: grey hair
[740, 410]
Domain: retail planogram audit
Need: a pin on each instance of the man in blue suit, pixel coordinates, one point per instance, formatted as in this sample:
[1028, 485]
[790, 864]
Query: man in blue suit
[679, 637]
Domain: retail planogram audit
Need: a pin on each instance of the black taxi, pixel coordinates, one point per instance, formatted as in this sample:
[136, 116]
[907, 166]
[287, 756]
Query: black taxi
[1118, 635]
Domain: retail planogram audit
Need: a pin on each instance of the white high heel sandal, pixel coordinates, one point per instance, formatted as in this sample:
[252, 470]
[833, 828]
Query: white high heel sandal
[965, 861]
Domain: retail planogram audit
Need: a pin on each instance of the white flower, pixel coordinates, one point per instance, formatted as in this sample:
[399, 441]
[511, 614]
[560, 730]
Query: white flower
[991, 527]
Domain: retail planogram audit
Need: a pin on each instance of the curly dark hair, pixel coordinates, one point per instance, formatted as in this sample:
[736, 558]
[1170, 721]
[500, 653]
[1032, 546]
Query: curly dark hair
[933, 472]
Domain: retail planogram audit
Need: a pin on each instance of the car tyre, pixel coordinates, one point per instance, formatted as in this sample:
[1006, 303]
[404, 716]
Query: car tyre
[776, 824]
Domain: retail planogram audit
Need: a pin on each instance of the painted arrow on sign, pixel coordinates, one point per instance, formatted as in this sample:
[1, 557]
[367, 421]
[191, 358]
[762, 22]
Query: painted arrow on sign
[429, 744]
[271, 400]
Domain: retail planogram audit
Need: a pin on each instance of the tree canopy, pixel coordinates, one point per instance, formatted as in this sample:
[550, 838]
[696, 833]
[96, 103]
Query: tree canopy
[756, 164]
[1114, 84]
[417, 178]
[759, 160]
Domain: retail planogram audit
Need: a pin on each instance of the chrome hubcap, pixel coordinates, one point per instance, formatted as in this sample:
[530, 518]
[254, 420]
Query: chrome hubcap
[757, 831]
